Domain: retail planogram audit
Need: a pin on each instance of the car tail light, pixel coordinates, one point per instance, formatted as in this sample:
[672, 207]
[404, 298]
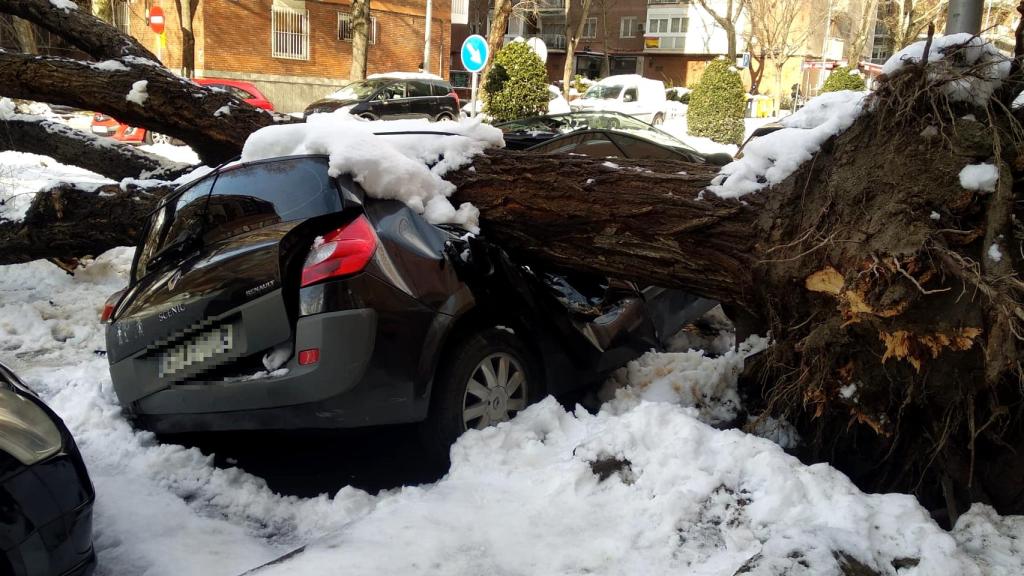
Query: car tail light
[343, 252]
[307, 357]
[109, 305]
[455, 95]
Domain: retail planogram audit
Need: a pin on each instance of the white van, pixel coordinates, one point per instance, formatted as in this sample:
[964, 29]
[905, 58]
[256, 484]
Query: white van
[631, 94]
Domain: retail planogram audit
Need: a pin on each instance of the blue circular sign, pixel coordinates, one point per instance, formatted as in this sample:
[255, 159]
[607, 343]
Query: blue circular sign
[474, 53]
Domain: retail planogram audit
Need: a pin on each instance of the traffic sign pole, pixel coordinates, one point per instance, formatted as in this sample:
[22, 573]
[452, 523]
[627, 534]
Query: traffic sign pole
[473, 96]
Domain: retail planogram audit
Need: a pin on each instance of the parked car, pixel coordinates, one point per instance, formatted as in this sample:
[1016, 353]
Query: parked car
[103, 125]
[46, 496]
[394, 95]
[630, 94]
[556, 102]
[269, 295]
[601, 134]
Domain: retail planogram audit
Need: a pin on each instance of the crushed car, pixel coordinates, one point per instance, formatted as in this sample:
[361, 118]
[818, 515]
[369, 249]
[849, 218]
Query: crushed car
[270, 295]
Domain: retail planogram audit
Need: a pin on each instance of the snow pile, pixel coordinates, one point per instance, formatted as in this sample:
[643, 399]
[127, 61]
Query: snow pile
[138, 93]
[770, 159]
[640, 488]
[649, 491]
[64, 5]
[110, 66]
[973, 66]
[994, 253]
[981, 177]
[406, 167]
[686, 378]
[6, 108]
[23, 174]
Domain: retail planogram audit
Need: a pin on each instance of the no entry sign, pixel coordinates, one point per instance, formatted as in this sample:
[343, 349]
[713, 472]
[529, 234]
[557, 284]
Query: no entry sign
[156, 19]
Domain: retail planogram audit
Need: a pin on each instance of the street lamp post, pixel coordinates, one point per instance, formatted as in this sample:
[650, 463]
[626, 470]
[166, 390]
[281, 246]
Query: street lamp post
[964, 16]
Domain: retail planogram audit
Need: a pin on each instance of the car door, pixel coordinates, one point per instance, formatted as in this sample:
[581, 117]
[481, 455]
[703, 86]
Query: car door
[391, 102]
[422, 103]
[631, 101]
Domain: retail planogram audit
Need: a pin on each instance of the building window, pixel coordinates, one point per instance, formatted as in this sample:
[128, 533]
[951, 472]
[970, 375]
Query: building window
[627, 27]
[121, 16]
[345, 28]
[289, 33]
[590, 28]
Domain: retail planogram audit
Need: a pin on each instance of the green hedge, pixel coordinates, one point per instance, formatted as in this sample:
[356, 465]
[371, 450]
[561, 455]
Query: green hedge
[516, 85]
[843, 78]
[717, 104]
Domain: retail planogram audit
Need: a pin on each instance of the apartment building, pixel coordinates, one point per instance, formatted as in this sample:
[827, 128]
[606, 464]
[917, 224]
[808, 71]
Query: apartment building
[670, 40]
[294, 51]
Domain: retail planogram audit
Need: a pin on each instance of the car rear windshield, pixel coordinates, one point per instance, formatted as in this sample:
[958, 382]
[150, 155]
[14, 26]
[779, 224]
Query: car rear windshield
[239, 200]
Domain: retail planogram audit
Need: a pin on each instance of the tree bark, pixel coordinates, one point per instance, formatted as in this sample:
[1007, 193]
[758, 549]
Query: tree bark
[25, 35]
[186, 12]
[106, 157]
[174, 106]
[496, 33]
[575, 21]
[360, 38]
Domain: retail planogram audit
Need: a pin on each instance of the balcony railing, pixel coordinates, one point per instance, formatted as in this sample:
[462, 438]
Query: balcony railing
[552, 41]
[550, 5]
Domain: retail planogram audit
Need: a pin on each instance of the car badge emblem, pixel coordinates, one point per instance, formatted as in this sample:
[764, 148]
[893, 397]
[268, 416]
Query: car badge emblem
[174, 280]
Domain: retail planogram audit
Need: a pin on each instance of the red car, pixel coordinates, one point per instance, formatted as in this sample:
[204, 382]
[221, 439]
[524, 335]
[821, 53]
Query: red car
[103, 125]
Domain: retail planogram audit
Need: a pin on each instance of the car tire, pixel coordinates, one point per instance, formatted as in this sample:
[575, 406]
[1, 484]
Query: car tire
[659, 119]
[466, 396]
[444, 116]
[157, 138]
[368, 116]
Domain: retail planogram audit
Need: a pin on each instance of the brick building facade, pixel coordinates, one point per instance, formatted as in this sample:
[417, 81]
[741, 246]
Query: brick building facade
[295, 51]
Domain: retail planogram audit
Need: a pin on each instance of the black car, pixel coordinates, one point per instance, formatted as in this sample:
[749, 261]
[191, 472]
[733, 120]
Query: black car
[45, 493]
[270, 295]
[390, 97]
[601, 134]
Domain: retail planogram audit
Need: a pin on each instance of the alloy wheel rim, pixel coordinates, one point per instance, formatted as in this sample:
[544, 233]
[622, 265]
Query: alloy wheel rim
[161, 138]
[496, 391]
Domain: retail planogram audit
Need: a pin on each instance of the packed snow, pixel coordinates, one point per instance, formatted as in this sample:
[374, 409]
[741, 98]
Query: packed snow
[111, 66]
[981, 177]
[224, 110]
[935, 216]
[976, 71]
[406, 167]
[770, 159]
[138, 93]
[64, 5]
[23, 174]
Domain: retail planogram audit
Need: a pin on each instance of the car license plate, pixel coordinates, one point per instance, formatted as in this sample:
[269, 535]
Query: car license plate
[196, 350]
[100, 130]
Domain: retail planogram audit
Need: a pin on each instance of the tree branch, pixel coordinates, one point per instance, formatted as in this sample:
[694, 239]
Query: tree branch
[116, 161]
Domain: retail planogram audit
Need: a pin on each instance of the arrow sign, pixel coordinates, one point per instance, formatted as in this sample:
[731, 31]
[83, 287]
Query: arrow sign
[474, 53]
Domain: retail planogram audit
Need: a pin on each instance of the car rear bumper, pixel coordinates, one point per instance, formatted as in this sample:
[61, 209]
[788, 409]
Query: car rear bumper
[345, 341]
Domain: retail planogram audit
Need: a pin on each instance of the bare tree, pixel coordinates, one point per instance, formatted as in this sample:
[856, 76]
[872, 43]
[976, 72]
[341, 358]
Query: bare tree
[906, 20]
[360, 38]
[576, 14]
[727, 16]
[856, 25]
[186, 13]
[779, 30]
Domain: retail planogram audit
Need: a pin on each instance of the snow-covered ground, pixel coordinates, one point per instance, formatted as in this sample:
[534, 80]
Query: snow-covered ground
[648, 485]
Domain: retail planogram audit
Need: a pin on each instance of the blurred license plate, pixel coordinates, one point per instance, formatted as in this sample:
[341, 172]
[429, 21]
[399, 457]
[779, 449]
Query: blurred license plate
[196, 350]
[100, 130]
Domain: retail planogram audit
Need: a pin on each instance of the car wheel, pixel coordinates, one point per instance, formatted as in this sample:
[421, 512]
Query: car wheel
[444, 116]
[659, 119]
[157, 138]
[485, 379]
[367, 116]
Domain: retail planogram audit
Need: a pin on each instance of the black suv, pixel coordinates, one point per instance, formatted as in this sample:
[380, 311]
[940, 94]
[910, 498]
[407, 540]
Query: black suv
[390, 97]
[270, 295]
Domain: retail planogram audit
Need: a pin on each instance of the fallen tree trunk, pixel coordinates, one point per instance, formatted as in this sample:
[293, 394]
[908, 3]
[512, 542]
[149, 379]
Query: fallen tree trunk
[67, 145]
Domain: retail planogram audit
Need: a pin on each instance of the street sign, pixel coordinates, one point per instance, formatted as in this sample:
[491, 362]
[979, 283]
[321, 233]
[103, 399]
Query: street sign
[156, 19]
[474, 53]
[474, 58]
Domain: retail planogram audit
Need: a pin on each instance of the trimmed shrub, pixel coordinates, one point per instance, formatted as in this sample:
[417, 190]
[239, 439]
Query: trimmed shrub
[717, 104]
[516, 85]
[843, 78]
